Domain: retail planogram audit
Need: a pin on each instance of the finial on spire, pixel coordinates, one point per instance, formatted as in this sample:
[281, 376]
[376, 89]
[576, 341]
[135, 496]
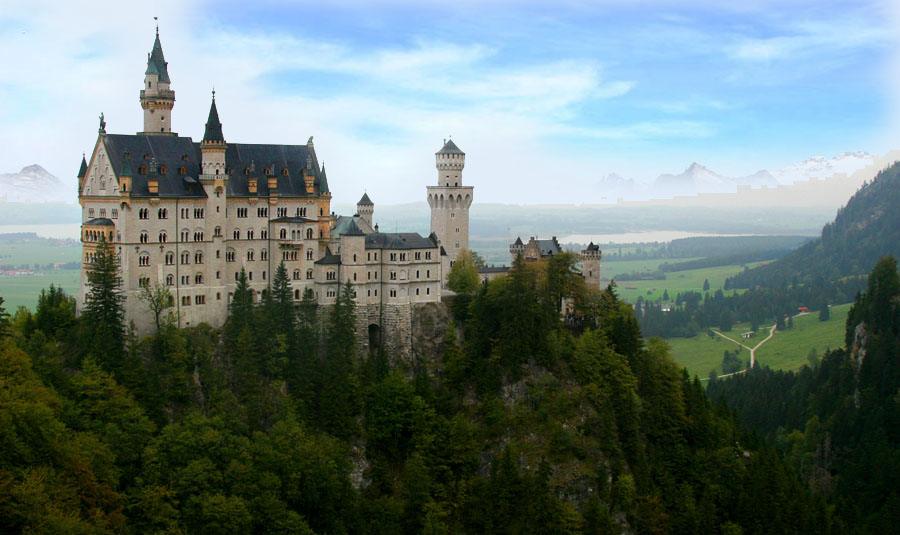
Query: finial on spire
[214, 92]
[157, 25]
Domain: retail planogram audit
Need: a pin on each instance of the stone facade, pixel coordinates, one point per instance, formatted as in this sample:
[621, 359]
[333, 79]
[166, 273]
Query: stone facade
[450, 202]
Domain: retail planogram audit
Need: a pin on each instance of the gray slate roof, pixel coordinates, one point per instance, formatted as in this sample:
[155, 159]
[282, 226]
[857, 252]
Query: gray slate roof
[83, 169]
[329, 259]
[493, 269]
[156, 62]
[450, 148]
[593, 247]
[549, 247]
[365, 200]
[100, 222]
[213, 125]
[352, 229]
[173, 152]
[293, 219]
[398, 240]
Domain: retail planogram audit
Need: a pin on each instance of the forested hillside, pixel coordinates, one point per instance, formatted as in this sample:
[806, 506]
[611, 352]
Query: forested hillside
[866, 229]
[273, 425]
[838, 422]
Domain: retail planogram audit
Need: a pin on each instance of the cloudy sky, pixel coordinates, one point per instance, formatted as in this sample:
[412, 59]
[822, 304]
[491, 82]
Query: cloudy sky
[546, 98]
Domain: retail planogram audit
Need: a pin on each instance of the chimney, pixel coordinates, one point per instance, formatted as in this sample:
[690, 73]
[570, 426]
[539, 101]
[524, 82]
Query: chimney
[251, 185]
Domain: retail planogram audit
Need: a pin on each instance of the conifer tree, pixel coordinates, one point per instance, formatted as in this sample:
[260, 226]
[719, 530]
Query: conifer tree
[104, 313]
[4, 320]
[337, 388]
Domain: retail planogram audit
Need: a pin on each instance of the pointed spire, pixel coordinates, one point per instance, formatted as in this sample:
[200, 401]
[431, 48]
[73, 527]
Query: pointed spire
[156, 61]
[83, 170]
[365, 200]
[213, 132]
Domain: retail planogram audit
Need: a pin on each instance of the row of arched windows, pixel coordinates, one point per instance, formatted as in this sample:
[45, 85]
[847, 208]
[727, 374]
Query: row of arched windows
[96, 235]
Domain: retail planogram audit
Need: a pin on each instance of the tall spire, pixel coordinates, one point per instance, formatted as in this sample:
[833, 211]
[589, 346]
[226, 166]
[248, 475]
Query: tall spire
[156, 62]
[83, 169]
[213, 125]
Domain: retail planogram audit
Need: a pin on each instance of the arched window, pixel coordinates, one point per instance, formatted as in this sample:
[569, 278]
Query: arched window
[250, 234]
[296, 274]
[185, 257]
[144, 282]
[162, 169]
[309, 274]
[250, 255]
[237, 234]
[198, 278]
[309, 233]
[229, 255]
[144, 236]
[309, 254]
[264, 234]
[282, 234]
[198, 236]
[170, 258]
[144, 259]
[198, 257]
[170, 280]
[102, 183]
[162, 236]
[185, 235]
[264, 254]
[217, 232]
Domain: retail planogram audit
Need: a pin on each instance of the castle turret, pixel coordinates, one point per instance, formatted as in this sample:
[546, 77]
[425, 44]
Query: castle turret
[213, 146]
[157, 99]
[516, 249]
[365, 208]
[449, 202]
[590, 265]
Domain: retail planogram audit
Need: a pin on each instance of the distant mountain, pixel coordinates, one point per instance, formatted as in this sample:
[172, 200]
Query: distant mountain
[33, 184]
[699, 179]
[866, 229]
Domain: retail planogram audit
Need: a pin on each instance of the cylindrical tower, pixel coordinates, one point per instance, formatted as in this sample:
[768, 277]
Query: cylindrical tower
[450, 202]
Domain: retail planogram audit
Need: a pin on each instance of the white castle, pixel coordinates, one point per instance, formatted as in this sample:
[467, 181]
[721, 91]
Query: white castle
[191, 215]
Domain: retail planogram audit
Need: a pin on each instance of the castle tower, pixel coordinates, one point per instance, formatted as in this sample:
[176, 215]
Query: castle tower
[214, 179]
[157, 99]
[213, 146]
[516, 249]
[590, 265]
[449, 202]
[365, 208]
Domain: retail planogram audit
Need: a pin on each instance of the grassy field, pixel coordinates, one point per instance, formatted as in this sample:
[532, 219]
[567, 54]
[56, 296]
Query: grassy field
[39, 251]
[24, 291]
[676, 282]
[787, 350]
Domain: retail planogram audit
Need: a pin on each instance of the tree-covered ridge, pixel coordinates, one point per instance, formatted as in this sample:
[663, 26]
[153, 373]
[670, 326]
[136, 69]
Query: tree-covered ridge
[863, 231]
[273, 425]
[838, 421]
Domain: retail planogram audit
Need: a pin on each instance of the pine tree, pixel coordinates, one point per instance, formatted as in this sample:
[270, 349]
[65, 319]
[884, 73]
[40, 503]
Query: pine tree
[337, 388]
[4, 321]
[104, 313]
[705, 285]
[825, 313]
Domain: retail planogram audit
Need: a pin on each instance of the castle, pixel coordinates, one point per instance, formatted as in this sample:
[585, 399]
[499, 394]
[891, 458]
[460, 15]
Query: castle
[190, 216]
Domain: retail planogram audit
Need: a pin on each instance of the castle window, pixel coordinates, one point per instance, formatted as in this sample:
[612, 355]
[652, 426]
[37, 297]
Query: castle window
[402, 257]
[427, 273]
[198, 278]
[427, 255]
[199, 213]
[162, 169]
[199, 299]
[162, 236]
[262, 212]
[282, 212]
[321, 212]
[144, 282]
[91, 212]
[182, 170]
[309, 254]
[417, 291]
[264, 254]
[170, 258]
[309, 274]
[393, 293]
[264, 278]
[185, 258]
[309, 233]
[142, 170]
[250, 255]
[417, 273]
[185, 300]
[331, 275]
[217, 232]
[115, 213]
[144, 236]
[198, 236]
[264, 234]
[282, 234]
[144, 259]
[393, 275]
[427, 291]
[185, 213]
[237, 234]
[284, 171]
[162, 213]
[354, 258]
[418, 255]
[393, 257]
[229, 256]
[250, 234]
[184, 157]
[143, 213]
[170, 280]
[268, 171]
[185, 235]
[296, 294]
[296, 275]
[242, 212]
[146, 155]
[198, 257]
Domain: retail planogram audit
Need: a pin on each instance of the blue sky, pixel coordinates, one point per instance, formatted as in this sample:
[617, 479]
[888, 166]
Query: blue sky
[545, 98]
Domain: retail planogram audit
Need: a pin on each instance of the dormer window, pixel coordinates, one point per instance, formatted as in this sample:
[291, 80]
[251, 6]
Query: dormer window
[162, 169]
[246, 170]
[146, 156]
[142, 170]
[184, 158]
[182, 170]
[284, 171]
[268, 171]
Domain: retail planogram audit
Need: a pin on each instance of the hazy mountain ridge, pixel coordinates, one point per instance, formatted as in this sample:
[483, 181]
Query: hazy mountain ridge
[698, 179]
[33, 184]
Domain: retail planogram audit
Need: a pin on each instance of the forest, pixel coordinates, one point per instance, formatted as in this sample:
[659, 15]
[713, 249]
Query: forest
[837, 421]
[274, 424]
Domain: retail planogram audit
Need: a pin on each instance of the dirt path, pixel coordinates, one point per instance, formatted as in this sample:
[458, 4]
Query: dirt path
[752, 349]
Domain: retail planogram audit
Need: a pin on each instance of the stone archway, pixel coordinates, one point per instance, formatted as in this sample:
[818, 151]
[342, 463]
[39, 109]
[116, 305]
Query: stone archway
[374, 337]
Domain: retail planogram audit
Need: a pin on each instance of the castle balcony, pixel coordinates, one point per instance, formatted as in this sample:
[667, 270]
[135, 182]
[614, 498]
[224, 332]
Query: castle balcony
[161, 93]
[290, 244]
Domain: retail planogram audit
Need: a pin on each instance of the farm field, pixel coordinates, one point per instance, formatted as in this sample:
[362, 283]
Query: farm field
[24, 291]
[678, 281]
[788, 350]
[701, 354]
